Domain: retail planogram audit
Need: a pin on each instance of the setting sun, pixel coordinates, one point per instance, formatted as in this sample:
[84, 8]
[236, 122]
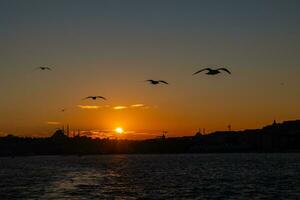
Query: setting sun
[119, 130]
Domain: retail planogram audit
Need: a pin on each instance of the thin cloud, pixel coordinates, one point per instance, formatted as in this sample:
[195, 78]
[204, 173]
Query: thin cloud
[128, 134]
[99, 133]
[120, 107]
[53, 123]
[88, 107]
[137, 105]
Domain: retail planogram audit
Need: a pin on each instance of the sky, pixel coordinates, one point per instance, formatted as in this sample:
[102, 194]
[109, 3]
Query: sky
[110, 47]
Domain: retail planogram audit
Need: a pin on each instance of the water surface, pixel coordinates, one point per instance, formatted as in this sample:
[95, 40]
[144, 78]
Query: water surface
[188, 176]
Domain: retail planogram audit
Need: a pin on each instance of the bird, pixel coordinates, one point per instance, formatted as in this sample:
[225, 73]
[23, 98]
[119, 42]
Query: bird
[44, 68]
[213, 71]
[95, 97]
[153, 82]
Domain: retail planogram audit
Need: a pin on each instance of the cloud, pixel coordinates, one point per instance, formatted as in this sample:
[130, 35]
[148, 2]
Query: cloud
[137, 105]
[99, 133]
[120, 107]
[88, 107]
[53, 123]
[128, 134]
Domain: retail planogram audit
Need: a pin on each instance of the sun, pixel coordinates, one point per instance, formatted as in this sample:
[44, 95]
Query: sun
[119, 130]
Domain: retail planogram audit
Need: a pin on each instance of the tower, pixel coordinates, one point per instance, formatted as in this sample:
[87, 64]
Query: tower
[68, 130]
[229, 127]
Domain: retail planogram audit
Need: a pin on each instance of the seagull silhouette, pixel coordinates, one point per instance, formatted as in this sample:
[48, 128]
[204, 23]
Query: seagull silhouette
[213, 71]
[95, 97]
[153, 82]
[44, 68]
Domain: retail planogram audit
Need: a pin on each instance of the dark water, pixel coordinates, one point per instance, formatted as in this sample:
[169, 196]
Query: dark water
[208, 176]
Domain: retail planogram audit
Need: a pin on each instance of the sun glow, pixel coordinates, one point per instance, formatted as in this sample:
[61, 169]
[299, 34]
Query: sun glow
[119, 130]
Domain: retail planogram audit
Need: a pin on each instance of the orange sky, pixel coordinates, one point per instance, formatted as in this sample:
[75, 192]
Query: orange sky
[110, 48]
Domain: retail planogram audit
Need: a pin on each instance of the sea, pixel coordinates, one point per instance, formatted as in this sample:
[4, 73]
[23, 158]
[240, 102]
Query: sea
[178, 176]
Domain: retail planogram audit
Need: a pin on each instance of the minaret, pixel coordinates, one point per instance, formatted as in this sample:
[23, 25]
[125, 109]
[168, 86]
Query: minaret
[68, 130]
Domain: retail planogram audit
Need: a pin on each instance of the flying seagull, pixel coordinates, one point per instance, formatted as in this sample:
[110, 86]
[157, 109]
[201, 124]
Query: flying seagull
[153, 82]
[213, 71]
[44, 68]
[95, 97]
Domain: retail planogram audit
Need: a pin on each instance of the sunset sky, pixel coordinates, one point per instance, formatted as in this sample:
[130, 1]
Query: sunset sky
[110, 47]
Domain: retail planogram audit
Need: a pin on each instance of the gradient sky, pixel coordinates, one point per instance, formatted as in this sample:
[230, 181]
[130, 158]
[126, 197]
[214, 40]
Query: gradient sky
[110, 47]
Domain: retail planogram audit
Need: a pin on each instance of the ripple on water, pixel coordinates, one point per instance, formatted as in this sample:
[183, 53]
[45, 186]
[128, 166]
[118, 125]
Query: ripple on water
[205, 176]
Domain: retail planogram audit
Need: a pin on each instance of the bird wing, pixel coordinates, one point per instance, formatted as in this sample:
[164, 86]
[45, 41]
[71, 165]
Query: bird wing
[201, 70]
[43, 68]
[101, 97]
[89, 97]
[224, 69]
[163, 82]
